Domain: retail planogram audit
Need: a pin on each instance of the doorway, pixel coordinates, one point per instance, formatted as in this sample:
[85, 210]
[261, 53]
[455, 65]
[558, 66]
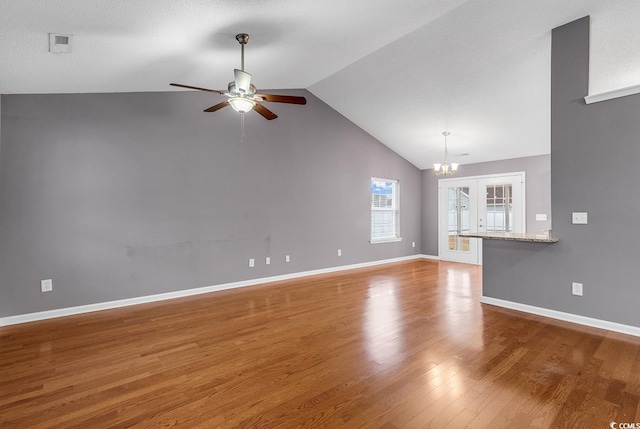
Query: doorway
[491, 203]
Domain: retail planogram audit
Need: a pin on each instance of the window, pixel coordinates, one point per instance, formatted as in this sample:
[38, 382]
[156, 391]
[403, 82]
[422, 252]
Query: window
[385, 210]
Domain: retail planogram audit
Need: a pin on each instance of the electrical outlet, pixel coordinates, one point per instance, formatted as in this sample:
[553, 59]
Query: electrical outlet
[579, 218]
[339, 252]
[46, 285]
[413, 244]
[287, 258]
[541, 216]
[576, 288]
[267, 260]
[252, 263]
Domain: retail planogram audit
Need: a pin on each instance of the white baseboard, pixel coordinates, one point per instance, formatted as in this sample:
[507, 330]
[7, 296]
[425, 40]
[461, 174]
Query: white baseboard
[610, 95]
[69, 311]
[567, 317]
[435, 258]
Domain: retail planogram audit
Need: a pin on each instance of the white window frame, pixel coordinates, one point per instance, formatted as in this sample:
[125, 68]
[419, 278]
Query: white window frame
[395, 208]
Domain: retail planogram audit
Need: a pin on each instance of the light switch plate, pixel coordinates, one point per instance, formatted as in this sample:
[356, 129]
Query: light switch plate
[579, 218]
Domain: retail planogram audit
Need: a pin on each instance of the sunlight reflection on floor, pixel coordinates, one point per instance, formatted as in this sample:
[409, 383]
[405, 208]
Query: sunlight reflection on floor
[383, 323]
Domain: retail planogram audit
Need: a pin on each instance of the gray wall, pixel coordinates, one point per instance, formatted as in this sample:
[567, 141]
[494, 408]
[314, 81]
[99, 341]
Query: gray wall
[538, 189]
[594, 167]
[123, 195]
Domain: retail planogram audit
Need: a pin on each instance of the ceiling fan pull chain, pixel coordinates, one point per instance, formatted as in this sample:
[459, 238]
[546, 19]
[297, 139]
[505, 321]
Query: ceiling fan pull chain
[242, 127]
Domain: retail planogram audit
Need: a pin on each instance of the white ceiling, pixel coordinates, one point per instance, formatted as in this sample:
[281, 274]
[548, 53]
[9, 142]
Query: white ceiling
[403, 70]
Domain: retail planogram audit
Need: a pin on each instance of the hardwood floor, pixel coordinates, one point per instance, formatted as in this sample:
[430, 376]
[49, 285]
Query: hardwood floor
[403, 345]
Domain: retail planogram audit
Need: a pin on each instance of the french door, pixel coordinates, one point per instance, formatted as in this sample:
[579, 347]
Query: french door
[493, 203]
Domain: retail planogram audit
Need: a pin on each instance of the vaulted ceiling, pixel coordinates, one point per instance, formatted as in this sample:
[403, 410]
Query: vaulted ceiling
[403, 70]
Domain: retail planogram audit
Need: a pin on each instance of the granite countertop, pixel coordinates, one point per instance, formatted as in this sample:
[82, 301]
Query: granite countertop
[513, 236]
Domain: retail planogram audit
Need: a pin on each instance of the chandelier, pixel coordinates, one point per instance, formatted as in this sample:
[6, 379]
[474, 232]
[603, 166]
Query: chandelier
[446, 168]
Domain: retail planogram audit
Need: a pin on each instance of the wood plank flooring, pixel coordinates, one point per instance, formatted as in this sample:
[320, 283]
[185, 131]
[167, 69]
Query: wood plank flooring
[405, 345]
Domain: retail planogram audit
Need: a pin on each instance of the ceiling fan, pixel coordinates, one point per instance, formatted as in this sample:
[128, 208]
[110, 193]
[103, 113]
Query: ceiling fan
[241, 92]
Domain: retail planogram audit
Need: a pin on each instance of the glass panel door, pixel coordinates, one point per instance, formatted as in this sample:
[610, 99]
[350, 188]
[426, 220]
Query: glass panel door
[499, 207]
[458, 218]
[501, 204]
[492, 203]
[457, 215]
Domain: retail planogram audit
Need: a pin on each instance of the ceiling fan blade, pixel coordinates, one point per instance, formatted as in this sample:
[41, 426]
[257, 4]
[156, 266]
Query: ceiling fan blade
[217, 106]
[268, 114]
[282, 98]
[198, 88]
[243, 80]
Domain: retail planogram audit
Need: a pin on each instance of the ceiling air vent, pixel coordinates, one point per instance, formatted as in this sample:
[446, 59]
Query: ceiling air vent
[60, 43]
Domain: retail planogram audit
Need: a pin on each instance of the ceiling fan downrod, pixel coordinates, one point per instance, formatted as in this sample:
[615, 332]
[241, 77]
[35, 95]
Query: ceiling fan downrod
[242, 38]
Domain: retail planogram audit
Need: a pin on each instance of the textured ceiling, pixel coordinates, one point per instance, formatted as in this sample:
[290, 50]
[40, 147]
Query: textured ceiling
[402, 70]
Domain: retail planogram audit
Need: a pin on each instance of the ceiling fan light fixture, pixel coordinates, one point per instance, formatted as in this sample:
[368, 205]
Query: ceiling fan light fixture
[241, 104]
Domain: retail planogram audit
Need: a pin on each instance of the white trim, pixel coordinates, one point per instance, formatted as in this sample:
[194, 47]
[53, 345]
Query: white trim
[385, 240]
[483, 176]
[567, 317]
[69, 311]
[430, 257]
[610, 95]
